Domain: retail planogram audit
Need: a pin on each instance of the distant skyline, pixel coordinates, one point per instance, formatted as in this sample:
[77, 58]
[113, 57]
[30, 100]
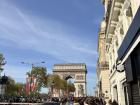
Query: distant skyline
[54, 31]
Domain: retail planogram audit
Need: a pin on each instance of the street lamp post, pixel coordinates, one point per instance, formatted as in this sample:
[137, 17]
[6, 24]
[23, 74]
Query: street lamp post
[30, 74]
[66, 78]
[3, 83]
[52, 87]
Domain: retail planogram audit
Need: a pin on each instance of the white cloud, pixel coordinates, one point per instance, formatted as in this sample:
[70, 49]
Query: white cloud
[43, 35]
[27, 31]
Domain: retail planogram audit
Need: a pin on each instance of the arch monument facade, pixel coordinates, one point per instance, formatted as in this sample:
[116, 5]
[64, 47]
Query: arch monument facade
[78, 72]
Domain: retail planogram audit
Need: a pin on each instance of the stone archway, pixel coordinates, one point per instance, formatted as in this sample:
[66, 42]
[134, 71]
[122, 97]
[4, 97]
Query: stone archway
[78, 72]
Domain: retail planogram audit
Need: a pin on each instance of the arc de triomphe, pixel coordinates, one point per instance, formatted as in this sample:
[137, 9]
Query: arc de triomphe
[78, 72]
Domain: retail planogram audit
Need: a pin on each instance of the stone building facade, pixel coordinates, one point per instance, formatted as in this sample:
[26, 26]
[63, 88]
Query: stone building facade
[122, 37]
[103, 66]
[78, 73]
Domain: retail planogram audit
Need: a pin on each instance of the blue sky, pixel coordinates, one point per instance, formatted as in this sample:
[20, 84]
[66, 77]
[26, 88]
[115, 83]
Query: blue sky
[54, 31]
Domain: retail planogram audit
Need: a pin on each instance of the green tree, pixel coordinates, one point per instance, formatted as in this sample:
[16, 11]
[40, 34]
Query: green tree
[2, 62]
[11, 88]
[71, 87]
[20, 88]
[63, 85]
[59, 83]
[40, 73]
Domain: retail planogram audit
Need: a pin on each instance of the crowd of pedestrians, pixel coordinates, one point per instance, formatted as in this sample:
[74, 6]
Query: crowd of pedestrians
[20, 99]
[89, 101]
[93, 101]
[83, 101]
[63, 100]
[28, 99]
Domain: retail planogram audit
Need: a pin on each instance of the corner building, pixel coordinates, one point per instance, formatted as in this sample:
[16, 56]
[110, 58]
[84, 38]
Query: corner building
[122, 41]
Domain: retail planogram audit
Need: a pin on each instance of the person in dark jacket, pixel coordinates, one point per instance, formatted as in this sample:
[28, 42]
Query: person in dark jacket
[114, 102]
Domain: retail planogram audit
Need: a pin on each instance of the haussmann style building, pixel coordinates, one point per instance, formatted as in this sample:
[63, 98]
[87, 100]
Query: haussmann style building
[122, 48]
[103, 85]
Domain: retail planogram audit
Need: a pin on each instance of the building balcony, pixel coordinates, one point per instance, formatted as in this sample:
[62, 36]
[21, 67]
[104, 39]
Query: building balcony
[112, 17]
